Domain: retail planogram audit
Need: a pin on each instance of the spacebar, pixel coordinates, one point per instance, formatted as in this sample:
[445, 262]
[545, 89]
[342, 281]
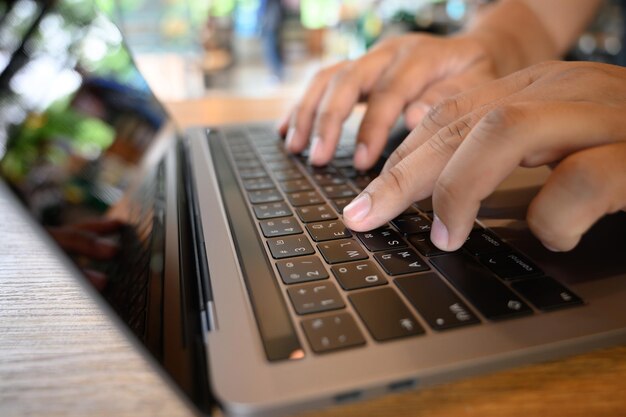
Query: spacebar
[277, 332]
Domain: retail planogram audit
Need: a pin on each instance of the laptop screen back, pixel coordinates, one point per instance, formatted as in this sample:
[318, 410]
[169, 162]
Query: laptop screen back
[76, 119]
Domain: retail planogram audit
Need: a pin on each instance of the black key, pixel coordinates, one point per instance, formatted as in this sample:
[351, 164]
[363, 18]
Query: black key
[342, 251]
[254, 184]
[333, 332]
[338, 191]
[248, 164]
[412, 224]
[329, 230]
[303, 269]
[264, 196]
[278, 336]
[423, 244]
[305, 198]
[385, 315]
[340, 203]
[489, 295]
[342, 152]
[357, 275]
[401, 262]
[546, 293]
[320, 170]
[240, 148]
[510, 265]
[483, 242]
[288, 246]
[288, 174]
[381, 239]
[349, 172]
[280, 227]
[272, 210]
[273, 157]
[269, 148]
[281, 165]
[310, 214]
[295, 185]
[342, 162]
[315, 297]
[436, 302]
[362, 181]
[328, 179]
[241, 156]
[247, 174]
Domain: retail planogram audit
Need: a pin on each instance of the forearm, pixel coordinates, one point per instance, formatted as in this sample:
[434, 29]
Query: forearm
[519, 33]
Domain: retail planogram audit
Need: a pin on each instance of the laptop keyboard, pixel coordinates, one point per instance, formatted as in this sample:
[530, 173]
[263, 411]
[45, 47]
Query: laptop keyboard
[391, 282]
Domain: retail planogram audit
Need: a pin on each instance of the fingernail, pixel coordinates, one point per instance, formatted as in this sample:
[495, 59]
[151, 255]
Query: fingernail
[417, 113]
[290, 135]
[358, 208]
[360, 156]
[314, 150]
[439, 234]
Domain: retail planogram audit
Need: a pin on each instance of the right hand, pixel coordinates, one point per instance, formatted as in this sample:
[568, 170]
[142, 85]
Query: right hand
[406, 74]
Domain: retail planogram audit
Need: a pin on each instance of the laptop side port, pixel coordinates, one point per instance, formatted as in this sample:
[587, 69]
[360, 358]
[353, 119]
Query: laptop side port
[347, 397]
[402, 385]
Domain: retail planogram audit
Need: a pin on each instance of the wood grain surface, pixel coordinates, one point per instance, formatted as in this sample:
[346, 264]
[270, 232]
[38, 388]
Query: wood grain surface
[60, 356]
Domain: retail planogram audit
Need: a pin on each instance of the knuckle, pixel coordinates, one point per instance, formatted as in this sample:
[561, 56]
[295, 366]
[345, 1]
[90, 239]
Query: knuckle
[447, 140]
[499, 120]
[443, 113]
[325, 73]
[401, 152]
[574, 71]
[398, 179]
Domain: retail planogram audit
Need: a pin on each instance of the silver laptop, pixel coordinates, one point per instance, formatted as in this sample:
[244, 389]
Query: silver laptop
[228, 258]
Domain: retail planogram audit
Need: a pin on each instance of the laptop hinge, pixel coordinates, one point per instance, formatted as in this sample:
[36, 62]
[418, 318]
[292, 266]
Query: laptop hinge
[195, 252]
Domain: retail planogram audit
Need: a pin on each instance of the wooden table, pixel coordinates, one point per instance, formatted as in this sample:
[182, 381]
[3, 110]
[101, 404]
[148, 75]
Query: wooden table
[60, 356]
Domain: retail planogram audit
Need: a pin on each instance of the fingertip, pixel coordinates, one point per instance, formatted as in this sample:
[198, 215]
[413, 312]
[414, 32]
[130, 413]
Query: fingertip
[550, 247]
[290, 139]
[361, 157]
[561, 244]
[282, 128]
[318, 154]
[439, 234]
[358, 208]
[414, 114]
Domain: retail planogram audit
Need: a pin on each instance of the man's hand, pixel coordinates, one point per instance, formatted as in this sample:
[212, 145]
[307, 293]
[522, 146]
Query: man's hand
[571, 115]
[402, 75]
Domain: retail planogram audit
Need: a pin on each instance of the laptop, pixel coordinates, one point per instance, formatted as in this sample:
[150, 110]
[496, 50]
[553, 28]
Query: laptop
[228, 259]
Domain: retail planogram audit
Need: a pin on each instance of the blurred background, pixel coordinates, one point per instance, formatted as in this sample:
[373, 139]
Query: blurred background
[191, 48]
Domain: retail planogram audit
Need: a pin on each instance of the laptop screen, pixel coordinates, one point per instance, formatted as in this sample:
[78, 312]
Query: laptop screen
[76, 118]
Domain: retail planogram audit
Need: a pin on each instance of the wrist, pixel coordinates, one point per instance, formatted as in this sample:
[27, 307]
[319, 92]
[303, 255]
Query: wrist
[502, 48]
[512, 35]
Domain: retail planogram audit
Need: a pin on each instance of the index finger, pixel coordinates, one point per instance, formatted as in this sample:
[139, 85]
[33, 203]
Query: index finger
[528, 134]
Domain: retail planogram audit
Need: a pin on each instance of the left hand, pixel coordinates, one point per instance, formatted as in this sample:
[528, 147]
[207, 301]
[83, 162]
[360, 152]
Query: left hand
[571, 115]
